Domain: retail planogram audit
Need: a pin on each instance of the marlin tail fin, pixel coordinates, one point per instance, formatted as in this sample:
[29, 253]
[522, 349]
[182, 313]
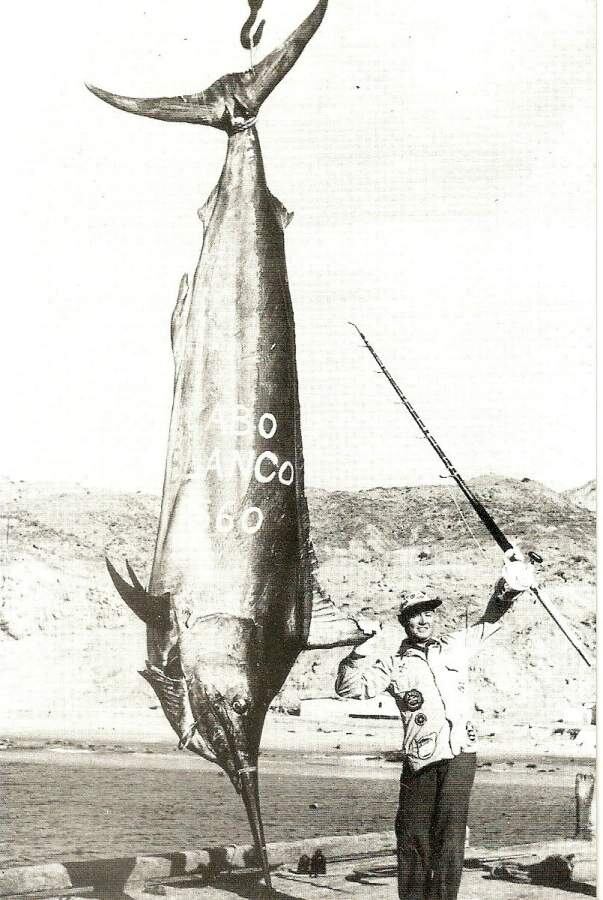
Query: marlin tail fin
[233, 101]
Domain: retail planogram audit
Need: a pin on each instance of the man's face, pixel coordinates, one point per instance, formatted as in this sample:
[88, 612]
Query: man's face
[420, 626]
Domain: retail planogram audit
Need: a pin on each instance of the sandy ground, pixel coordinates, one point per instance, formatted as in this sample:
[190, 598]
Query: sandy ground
[326, 765]
[288, 734]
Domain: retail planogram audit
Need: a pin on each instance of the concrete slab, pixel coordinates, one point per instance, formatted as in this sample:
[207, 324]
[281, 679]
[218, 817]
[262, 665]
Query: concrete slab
[476, 885]
[359, 866]
[23, 879]
[380, 884]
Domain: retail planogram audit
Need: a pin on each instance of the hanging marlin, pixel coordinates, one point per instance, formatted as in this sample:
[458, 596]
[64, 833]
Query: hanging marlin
[233, 596]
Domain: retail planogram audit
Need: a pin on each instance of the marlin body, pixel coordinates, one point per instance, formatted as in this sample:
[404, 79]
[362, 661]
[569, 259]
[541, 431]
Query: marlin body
[233, 596]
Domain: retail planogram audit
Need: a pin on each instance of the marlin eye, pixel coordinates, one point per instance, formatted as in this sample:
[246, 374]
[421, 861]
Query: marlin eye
[240, 705]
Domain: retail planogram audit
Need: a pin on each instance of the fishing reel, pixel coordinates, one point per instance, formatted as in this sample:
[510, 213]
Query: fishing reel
[535, 557]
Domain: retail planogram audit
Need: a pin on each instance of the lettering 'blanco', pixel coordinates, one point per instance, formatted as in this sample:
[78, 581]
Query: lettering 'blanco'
[260, 476]
[265, 469]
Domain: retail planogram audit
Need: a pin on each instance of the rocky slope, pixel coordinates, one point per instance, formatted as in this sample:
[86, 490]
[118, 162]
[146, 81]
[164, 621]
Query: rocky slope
[585, 495]
[71, 648]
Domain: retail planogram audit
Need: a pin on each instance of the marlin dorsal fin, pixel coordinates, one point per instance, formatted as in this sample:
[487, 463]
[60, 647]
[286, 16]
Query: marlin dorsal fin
[152, 610]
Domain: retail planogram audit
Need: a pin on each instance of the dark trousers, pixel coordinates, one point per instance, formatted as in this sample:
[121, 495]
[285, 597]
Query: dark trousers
[430, 828]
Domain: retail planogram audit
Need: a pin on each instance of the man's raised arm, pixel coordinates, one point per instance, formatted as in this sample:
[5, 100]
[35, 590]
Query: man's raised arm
[367, 670]
[517, 576]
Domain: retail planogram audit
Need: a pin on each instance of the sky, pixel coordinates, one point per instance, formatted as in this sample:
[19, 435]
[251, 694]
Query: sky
[439, 161]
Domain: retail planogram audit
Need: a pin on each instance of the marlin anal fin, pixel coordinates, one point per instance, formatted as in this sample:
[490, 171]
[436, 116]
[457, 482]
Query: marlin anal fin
[330, 626]
[282, 213]
[177, 320]
[233, 101]
[172, 693]
[152, 610]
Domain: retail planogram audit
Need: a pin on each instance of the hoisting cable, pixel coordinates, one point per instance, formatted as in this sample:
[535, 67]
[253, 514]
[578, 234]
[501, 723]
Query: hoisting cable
[248, 40]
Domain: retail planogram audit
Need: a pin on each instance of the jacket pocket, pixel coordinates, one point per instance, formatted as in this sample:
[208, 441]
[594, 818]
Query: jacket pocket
[423, 747]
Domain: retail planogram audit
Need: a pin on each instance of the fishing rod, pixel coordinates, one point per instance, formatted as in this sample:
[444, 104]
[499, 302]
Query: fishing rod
[499, 536]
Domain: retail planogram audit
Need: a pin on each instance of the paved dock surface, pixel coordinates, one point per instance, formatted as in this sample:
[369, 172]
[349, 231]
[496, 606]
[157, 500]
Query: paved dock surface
[376, 877]
[357, 866]
[476, 885]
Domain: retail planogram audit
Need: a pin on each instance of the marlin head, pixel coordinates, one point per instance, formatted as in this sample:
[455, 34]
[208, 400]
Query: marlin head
[210, 688]
[225, 723]
[229, 718]
[233, 101]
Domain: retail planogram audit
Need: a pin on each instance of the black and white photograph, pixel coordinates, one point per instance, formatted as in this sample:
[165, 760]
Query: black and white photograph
[298, 473]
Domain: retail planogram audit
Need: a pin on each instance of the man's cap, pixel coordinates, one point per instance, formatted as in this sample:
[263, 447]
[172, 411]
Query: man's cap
[412, 604]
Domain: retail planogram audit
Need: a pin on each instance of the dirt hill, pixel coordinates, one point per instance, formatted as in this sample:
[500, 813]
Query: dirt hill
[71, 648]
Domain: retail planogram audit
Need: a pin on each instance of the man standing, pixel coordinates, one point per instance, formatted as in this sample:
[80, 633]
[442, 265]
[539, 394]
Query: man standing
[428, 679]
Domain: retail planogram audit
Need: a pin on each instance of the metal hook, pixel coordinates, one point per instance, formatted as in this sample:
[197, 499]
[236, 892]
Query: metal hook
[246, 39]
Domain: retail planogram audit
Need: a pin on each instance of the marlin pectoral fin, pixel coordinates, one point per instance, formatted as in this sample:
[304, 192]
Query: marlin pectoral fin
[173, 696]
[330, 626]
[152, 610]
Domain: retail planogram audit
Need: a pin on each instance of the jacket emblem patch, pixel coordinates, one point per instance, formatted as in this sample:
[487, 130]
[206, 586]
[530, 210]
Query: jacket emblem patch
[413, 700]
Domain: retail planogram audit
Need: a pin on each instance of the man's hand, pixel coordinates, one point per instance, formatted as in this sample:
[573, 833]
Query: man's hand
[374, 630]
[518, 574]
[380, 639]
[371, 627]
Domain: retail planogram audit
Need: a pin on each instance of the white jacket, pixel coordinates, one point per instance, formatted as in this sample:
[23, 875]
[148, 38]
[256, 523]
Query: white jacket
[429, 687]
